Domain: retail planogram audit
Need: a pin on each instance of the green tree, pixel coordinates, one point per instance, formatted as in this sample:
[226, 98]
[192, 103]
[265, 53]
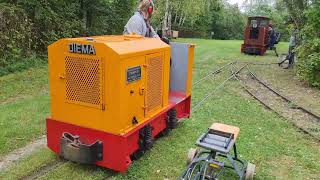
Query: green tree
[296, 9]
[229, 23]
[15, 34]
[257, 7]
[28, 27]
[184, 14]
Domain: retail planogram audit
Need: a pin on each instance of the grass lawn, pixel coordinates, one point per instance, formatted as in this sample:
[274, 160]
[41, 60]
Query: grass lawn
[24, 104]
[277, 148]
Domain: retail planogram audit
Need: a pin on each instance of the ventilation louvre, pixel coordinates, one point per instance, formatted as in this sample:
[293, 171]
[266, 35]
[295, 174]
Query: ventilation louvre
[154, 83]
[84, 81]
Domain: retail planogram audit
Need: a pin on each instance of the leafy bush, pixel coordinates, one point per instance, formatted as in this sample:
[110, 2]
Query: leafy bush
[56, 19]
[22, 64]
[309, 62]
[309, 50]
[28, 27]
[15, 33]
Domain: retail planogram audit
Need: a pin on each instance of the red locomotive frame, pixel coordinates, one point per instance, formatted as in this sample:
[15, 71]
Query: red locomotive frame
[119, 157]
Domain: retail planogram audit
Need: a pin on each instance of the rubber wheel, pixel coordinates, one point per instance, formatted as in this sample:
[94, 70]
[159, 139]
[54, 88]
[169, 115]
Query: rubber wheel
[191, 154]
[250, 171]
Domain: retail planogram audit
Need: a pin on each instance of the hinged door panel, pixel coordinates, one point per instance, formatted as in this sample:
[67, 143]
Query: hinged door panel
[133, 80]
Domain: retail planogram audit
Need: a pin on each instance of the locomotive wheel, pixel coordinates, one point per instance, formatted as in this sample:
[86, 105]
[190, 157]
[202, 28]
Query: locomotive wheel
[250, 171]
[191, 155]
[173, 120]
[137, 155]
[165, 132]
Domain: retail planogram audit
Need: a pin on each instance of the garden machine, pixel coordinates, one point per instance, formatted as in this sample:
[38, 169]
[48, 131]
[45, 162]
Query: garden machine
[215, 155]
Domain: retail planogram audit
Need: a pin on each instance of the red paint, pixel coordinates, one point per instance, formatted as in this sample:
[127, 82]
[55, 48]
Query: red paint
[117, 149]
[183, 109]
[261, 42]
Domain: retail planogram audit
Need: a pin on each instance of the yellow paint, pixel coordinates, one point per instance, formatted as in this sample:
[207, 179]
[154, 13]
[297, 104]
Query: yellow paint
[106, 102]
[190, 66]
[91, 90]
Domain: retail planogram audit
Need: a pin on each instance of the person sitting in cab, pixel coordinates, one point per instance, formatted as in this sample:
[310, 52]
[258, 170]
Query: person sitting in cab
[139, 23]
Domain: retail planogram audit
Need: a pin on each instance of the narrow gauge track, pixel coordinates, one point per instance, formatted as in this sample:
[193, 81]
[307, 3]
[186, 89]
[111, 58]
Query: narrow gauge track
[213, 91]
[303, 119]
[46, 169]
[43, 170]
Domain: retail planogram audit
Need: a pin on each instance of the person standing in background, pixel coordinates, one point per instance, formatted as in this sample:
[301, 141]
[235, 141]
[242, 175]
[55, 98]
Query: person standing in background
[139, 23]
[292, 45]
[291, 53]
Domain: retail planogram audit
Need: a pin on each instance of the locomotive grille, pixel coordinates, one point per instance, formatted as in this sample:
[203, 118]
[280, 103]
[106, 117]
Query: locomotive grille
[154, 83]
[83, 81]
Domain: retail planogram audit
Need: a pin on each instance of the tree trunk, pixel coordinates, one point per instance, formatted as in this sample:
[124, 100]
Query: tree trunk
[169, 24]
[165, 20]
[184, 18]
[181, 18]
[175, 19]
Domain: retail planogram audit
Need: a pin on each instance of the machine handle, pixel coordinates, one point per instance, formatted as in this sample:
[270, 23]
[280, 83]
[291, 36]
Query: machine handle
[62, 76]
[141, 90]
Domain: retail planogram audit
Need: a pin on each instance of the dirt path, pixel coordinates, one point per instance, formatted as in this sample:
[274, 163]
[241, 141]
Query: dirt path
[18, 154]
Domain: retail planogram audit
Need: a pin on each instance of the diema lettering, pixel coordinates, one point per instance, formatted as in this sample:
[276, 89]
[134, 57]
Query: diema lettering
[82, 48]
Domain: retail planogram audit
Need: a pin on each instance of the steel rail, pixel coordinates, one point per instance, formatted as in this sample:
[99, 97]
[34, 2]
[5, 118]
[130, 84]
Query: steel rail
[194, 108]
[42, 171]
[253, 63]
[283, 97]
[279, 114]
[214, 72]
